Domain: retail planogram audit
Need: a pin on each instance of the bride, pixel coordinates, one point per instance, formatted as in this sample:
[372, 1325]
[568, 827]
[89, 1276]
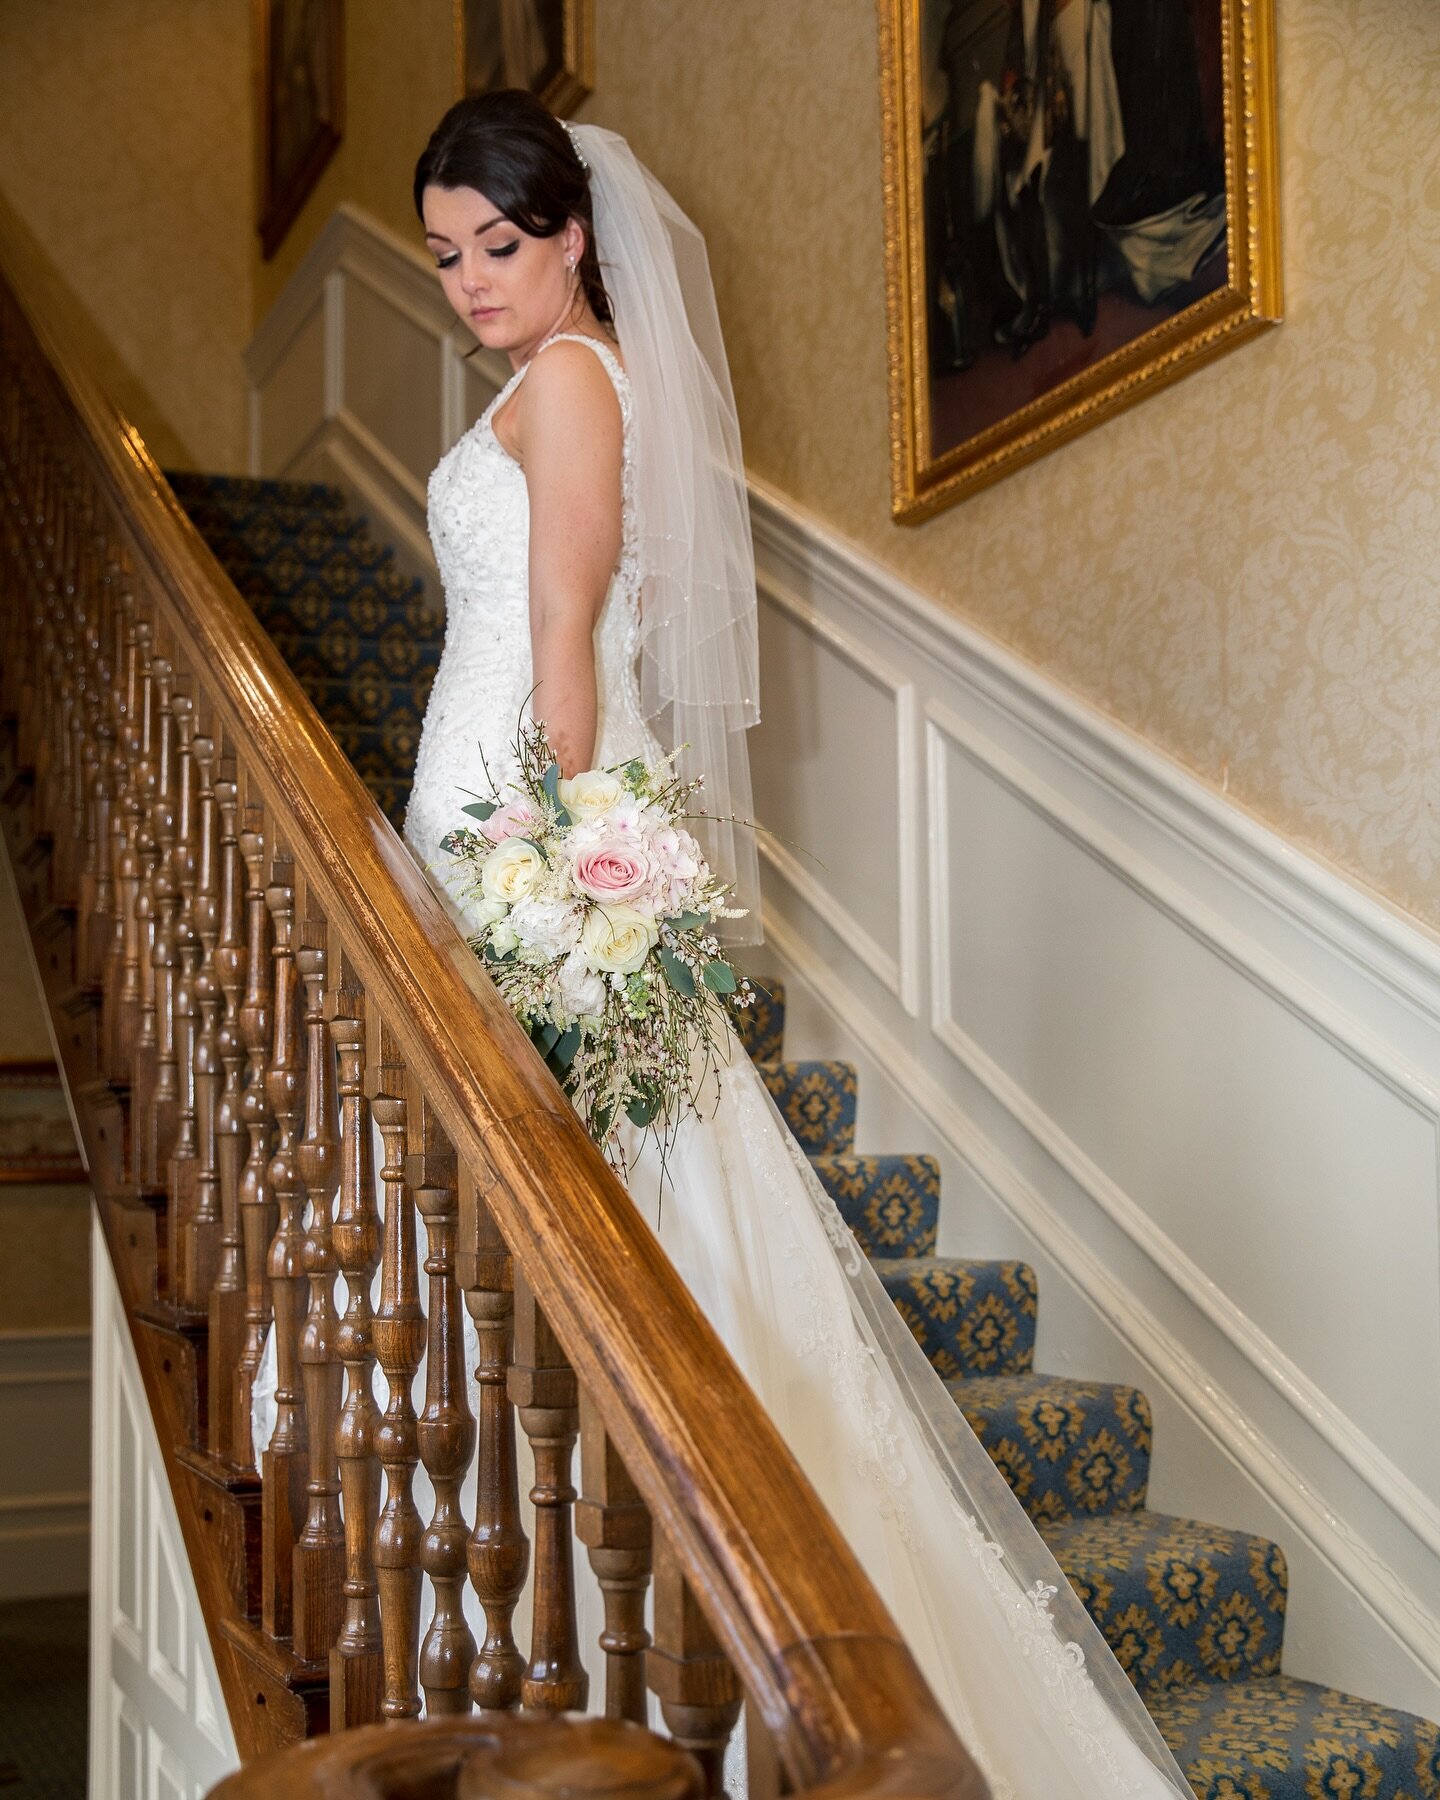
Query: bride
[592, 533]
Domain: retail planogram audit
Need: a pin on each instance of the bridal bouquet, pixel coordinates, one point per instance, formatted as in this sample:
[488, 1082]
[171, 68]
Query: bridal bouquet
[596, 912]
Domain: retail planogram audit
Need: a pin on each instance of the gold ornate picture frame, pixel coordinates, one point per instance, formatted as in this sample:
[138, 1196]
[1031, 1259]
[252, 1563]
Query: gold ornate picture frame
[300, 78]
[1081, 206]
[547, 46]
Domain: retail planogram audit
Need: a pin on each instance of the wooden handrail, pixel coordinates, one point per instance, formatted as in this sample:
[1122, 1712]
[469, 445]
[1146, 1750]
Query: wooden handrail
[789, 1606]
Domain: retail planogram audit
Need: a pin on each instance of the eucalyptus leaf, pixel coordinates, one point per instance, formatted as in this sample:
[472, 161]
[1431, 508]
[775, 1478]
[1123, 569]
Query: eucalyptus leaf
[641, 1111]
[564, 1052]
[545, 1036]
[479, 809]
[719, 977]
[551, 784]
[687, 921]
[676, 973]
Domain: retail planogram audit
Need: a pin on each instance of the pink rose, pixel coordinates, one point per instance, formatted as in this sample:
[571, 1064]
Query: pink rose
[516, 818]
[612, 870]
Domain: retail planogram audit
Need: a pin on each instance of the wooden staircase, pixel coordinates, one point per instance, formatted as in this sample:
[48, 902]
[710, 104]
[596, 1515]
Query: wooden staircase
[245, 969]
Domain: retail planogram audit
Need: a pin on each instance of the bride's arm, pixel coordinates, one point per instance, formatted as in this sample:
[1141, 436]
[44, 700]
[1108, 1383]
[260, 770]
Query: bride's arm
[570, 439]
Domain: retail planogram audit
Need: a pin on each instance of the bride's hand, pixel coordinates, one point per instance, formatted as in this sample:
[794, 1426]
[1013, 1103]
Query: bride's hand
[569, 437]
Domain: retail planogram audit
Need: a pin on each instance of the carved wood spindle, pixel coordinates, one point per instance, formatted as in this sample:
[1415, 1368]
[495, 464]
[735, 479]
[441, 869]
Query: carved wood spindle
[102, 896]
[446, 1431]
[175, 713]
[700, 1696]
[542, 1385]
[137, 980]
[256, 1199]
[499, 1552]
[227, 1293]
[200, 1088]
[399, 1338]
[284, 1468]
[356, 1667]
[320, 1549]
[613, 1522]
[181, 1162]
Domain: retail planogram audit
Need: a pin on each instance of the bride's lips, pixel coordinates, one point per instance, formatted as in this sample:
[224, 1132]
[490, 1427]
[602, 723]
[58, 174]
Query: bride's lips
[483, 312]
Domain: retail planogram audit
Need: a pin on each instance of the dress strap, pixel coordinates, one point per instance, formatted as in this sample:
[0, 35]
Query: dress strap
[607, 356]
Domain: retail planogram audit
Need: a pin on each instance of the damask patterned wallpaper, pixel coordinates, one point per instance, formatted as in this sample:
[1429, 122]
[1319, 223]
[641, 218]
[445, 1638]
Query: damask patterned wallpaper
[125, 171]
[1245, 569]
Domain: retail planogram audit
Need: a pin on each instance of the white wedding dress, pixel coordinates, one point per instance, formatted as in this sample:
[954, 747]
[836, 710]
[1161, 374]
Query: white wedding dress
[767, 1255]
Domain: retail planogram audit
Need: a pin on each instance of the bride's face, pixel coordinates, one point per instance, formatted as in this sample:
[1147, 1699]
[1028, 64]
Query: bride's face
[511, 289]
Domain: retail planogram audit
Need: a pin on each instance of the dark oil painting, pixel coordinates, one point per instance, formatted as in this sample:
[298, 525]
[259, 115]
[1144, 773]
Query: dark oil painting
[1073, 190]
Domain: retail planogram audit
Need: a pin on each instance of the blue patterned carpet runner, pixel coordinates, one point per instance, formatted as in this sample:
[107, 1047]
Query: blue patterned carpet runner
[1194, 1612]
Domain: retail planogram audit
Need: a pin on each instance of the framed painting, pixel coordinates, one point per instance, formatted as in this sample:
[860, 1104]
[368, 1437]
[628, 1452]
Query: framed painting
[37, 1138]
[300, 74]
[1080, 206]
[547, 46]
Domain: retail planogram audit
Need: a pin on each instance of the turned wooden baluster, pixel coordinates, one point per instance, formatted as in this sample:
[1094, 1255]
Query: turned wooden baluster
[182, 1161]
[499, 1552]
[446, 1432]
[700, 1696]
[320, 1549]
[399, 1338]
[154, 1086]
[200, 1088]
[256, 1198]
[284, 1468]
[613, 1522]
[101, 923]
[164, 1109]
[135, 948]
[227, 1295]
[124, 859]
[356, 1668]
[542, 1385]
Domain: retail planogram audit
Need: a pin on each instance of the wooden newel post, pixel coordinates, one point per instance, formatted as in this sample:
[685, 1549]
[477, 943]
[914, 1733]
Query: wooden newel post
[613, 1522]
[543, 1388]
[700, 1696]
[499, 1552]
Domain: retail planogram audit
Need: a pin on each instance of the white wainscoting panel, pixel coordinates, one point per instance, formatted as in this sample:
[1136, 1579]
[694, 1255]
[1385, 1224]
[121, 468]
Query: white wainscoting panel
[45, 1494]
[157, 1724]
[1188, 1071]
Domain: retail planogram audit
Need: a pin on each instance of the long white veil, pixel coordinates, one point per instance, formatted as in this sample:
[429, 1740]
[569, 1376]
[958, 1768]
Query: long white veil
[699, 655]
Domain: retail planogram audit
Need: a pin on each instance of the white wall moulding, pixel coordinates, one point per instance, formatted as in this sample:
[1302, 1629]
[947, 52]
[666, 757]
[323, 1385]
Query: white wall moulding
[45, 1495]
[157, 1725]
[1187, 1069]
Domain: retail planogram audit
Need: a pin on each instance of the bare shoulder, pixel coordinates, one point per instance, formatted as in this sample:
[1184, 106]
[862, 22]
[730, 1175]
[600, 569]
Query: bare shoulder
[568, 376]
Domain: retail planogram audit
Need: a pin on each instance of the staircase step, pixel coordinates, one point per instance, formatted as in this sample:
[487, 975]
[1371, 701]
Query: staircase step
[891, 1203]
[1066, 1447]
[369, 698]
[817, 1102]
[970, 1318]
[1177, 1600]
[341, 568]
[384, 750]
[340, 650]
[368, 603]
[250, 493]
[761, 1027]
[1278, 1739]
[307, 534]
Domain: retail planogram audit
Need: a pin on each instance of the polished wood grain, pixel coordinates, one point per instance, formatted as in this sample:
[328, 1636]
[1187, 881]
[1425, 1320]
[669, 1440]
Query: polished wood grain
[613, 1522]
[227, 1293]
[256, 1198]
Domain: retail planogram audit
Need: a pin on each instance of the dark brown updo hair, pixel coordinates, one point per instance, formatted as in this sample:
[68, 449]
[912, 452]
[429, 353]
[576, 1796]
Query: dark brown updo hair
[509, 148]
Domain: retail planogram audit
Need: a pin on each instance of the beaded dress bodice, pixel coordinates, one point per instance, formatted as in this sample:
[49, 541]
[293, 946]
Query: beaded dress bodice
[479, 518]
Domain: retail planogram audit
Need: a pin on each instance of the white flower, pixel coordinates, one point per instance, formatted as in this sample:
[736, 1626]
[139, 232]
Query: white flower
[581, 990]
[487, 912]
[545, 926]
[588, 795]
[511, 870]
[617, 939]
[504, 938]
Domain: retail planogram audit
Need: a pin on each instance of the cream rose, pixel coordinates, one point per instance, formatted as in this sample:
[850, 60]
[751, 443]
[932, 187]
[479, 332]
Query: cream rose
[617, 939]
[511, 870]
[587, 796]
